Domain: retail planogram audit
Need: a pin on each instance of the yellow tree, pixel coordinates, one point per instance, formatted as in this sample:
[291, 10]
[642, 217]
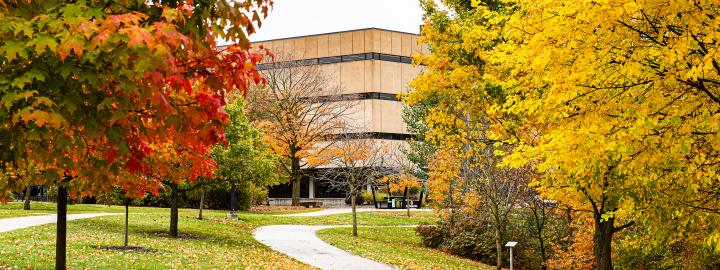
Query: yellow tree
[622, 100]
[462, 121]
[616, 102]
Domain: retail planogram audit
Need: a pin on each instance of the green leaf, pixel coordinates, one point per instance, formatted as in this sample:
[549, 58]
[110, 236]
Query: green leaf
[66, 70]
[608, 215]
[105, 103]
[72, 10]
[43, 43]
[70, 104]
[24, 29]
[95, 13]
[116, 115]
[8, 99]
[115, 134]
[13, 49]
[34, 135]
[20, 82]
[36, 74]
[28, 77]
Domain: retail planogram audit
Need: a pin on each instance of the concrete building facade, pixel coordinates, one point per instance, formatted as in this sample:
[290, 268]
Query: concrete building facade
[371, 65]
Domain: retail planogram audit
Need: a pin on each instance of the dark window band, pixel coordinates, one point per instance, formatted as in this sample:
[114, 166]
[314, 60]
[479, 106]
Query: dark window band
[373, 135]
[343, 58]
[354, 96]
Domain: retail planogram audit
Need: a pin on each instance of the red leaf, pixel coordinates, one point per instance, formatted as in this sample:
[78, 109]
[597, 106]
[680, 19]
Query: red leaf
[111, 154]
[73, 44]
[137, 36]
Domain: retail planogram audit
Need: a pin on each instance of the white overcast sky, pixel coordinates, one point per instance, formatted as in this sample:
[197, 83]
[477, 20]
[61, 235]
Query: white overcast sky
[290, 18]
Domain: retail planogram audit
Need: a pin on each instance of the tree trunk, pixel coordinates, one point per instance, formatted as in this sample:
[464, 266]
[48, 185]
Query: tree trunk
[450, 202]
[602, 243]
[61, 235]
[407, 202]
[202, 201]
[27, 198]
[540, 228]
[233, 198]
[543, 252]
[295, 174]
[174, 211]
[354, 214]
[127, 221]
[498, 248]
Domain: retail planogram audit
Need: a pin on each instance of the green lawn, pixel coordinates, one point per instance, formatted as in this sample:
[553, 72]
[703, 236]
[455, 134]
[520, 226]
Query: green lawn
[364, 219]
[284, 212]
[397, 246]
[213, 243]
[14, 209]
[216, 243]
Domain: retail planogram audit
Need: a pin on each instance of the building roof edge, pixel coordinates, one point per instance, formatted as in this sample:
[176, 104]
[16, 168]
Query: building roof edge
[336, 32]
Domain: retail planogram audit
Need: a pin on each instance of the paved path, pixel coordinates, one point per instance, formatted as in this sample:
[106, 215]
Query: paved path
[301, 243]
[333, 211]
[9, 224]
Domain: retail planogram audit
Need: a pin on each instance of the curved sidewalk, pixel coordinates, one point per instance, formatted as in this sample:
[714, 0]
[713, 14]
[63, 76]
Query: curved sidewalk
[301, 243]
[10, 224]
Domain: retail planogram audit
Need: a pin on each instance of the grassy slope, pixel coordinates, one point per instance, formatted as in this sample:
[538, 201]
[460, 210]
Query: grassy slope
[222, 243]
[399, 247]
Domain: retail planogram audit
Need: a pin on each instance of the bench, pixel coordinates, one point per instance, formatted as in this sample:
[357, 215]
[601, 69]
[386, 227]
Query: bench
[311, 204]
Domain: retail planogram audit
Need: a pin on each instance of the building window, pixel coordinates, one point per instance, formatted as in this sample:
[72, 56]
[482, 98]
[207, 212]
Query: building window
[330, 60]
[343, 58]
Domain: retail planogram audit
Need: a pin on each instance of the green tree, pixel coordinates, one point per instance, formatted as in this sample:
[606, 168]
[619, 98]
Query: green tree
[418, 149]
[245, 162]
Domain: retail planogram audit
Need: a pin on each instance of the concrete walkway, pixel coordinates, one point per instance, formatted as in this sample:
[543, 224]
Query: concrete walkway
[301, 243]
[9, 224]
[345, 210]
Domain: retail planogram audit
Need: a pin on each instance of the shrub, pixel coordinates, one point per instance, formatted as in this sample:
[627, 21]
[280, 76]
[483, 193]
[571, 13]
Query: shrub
[555, 233]
[641, 249]
[469, 237]
[250, 195]
[472, 237]
[359, 199]
[367, 197]
[430, 235]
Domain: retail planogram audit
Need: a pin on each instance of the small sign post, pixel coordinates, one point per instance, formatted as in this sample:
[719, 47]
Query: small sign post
[511, 245]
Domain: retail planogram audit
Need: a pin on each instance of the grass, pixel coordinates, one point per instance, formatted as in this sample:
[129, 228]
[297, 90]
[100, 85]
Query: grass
[15, 209]
[284, 212]
[281, 210]
[213, 243]
[397, 246]
[364, 219]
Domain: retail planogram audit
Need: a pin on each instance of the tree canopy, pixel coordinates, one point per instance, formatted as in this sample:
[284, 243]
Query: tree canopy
[92, 88]
[614, 103]
[246, 160]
